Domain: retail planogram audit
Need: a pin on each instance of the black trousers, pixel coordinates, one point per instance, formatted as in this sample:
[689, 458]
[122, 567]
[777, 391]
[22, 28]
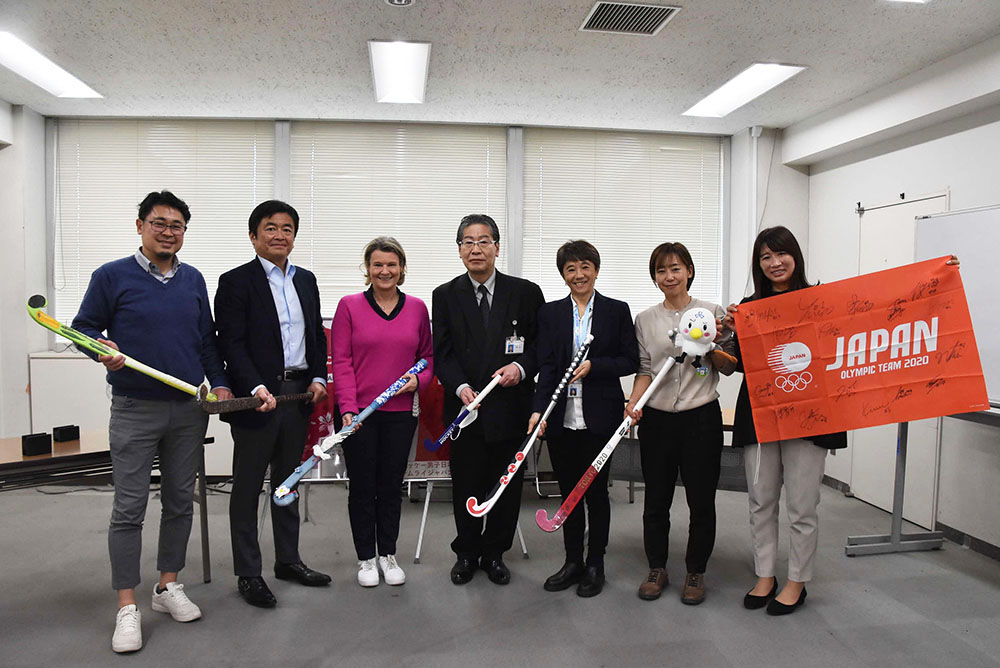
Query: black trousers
[476, 466]
[376, 457]
[689, 442]
[572, 453]
[279, 443]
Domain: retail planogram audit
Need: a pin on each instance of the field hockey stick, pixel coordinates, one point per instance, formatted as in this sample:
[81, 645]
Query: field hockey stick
[37, 303]
[477, 509]
[466, 417]
[541, 517]
[243, 403]
[285, 494]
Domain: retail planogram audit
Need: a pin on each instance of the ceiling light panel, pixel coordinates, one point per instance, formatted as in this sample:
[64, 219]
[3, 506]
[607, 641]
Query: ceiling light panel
[23, 60]
[749, 84]
[399, 70]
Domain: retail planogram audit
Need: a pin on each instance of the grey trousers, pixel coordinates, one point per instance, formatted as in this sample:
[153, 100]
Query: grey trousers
[139, 430]
[799, 465]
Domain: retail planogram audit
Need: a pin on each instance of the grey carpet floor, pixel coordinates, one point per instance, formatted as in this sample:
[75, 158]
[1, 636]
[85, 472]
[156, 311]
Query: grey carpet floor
[935, 609]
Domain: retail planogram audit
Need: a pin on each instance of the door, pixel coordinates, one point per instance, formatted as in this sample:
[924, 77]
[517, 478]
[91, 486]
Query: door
[887, 239]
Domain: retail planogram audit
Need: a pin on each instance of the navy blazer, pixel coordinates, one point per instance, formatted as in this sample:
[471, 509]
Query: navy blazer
[250, 337]
[613, 354]
[466, 351]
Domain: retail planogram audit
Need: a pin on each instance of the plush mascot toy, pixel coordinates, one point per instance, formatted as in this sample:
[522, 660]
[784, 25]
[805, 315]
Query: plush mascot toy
[696, 334]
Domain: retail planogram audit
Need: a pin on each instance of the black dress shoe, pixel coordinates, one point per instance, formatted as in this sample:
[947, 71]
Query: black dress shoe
[775, 607]
[592, 582]
[565, 577]
[255, 592]
[496, 571]
[301, 574]
[463, 570]
[752, 602]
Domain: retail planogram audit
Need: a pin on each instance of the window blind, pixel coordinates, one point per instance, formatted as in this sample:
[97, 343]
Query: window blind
[104, 168]
[625, 193]
[351, 182]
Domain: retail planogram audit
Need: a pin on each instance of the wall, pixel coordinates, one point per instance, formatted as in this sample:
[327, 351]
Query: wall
[782, 199]
[959, 156]
[22, 258]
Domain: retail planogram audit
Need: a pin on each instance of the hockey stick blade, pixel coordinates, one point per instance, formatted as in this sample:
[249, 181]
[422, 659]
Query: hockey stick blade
[460, 421]
[477, 509]
[565, 510]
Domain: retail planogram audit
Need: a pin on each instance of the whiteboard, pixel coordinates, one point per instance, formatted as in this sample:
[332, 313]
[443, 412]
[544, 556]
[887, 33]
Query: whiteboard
[974, 236]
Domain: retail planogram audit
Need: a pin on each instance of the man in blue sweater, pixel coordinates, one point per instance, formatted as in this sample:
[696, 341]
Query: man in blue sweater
[157, 310]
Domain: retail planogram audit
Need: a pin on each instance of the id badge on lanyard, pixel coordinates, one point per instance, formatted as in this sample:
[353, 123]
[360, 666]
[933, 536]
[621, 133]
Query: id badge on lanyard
[513, 344]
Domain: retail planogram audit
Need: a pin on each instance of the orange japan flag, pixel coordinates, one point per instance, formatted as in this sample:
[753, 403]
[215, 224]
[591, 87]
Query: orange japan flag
[892, 346]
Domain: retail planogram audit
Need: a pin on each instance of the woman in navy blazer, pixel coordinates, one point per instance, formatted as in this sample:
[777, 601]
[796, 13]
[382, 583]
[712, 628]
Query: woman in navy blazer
[590, 411]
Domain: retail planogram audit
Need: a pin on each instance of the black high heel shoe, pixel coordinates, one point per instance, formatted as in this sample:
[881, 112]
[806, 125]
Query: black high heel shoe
[775, 607]
[752, 602]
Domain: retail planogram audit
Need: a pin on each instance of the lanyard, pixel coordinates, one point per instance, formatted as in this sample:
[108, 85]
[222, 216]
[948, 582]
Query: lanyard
[581, 325]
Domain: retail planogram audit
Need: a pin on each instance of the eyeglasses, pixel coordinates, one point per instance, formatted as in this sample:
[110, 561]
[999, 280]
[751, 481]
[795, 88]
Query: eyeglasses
[483, 244]
[160, 226]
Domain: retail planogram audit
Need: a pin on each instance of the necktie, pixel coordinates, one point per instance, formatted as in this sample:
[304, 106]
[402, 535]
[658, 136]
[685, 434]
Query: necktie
[484, 305]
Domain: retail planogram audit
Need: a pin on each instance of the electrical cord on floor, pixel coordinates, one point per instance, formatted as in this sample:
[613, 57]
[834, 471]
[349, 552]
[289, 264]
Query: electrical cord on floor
[72, 490]
[57, 490]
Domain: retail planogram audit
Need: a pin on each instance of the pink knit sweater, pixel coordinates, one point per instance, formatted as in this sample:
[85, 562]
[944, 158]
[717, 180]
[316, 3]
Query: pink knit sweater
[370, 352]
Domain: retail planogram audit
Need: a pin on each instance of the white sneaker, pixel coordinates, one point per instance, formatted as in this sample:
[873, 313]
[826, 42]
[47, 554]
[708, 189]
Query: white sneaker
[393, 574]
[368, 573]
[128, 630]
[175, 601]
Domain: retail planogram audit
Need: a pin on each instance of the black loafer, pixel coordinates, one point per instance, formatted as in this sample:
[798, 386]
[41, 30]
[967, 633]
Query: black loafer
[301, 574]
[565, 577]
[496, 571]
[463, 570]
[591, 583]
[255, 592]
[752, 602]
[776, 608]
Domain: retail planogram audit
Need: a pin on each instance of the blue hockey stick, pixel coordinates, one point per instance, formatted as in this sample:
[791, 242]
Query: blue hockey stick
[463, 419]
[285, 495]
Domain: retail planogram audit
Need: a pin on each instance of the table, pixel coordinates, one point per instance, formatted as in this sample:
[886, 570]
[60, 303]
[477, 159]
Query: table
[88, 456]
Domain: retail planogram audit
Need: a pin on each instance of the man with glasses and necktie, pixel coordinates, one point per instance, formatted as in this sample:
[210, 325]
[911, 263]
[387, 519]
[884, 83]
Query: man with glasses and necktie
[156, 309]
[483, 325]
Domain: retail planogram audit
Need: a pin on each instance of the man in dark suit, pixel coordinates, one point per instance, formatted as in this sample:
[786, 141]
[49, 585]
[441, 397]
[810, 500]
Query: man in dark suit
[484, 325]
[271, 336]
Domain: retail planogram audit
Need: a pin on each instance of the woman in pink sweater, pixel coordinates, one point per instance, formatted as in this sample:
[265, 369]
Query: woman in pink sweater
[377, 335]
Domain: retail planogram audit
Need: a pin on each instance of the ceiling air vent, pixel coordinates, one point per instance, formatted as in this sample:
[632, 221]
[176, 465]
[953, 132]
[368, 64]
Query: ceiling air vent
[628, 18]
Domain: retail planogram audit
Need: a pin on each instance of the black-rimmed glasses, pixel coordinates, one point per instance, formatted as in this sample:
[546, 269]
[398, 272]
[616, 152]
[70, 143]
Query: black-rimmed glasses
[161, 226]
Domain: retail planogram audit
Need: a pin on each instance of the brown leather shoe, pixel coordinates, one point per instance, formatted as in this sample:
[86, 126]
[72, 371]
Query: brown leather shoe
[654, 584]
[694, 589]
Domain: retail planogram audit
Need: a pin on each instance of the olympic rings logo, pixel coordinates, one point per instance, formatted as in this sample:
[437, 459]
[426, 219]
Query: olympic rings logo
[793, 381]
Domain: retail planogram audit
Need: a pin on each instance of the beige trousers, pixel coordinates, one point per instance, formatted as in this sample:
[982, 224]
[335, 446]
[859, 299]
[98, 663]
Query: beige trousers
[798, 464]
